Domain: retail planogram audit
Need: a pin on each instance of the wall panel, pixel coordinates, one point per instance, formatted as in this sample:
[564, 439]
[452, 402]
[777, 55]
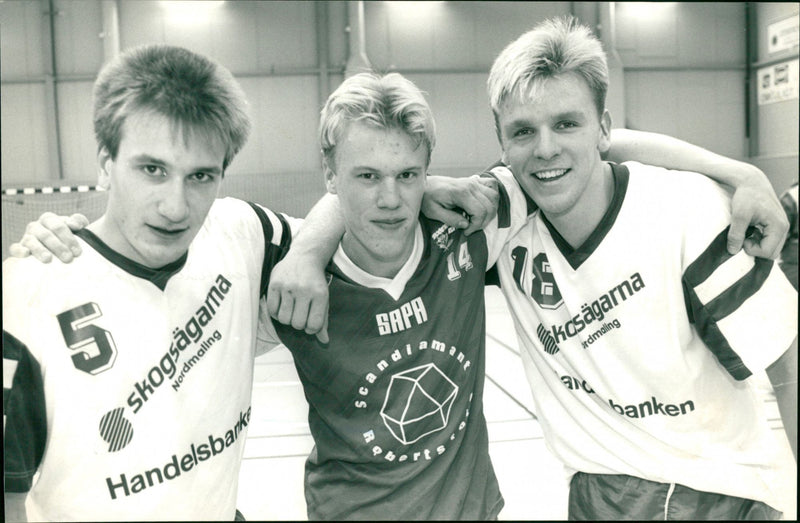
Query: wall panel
[78, 146]
[285, 113]
[22, 127]
[78, 44]
[706, 108]
[685, 34]
[448, 35]
[248, 37]
[21, 39]
[466, 140]
[685, 68]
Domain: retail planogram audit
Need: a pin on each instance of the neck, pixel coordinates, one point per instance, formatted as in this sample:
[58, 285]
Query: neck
[382, 267]
[576, 225]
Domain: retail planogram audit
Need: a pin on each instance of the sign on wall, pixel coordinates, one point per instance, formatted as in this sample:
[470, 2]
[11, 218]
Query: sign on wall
[778, 83]
[784, 34]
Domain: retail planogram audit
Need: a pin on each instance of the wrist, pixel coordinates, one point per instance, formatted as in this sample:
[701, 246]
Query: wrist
[307, 256]
[748, 175]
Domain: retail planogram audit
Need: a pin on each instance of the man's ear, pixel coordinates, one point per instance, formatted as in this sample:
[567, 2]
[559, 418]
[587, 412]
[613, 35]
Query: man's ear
[330, 176]
[604, 143]
[103, 168]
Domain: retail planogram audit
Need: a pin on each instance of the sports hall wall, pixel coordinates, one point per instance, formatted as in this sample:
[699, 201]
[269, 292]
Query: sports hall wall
[685, 69]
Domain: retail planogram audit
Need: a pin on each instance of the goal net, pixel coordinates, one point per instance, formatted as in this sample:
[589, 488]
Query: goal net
[24, 205]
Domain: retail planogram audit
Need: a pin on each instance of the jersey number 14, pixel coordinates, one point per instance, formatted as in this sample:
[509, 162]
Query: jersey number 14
[464, 262]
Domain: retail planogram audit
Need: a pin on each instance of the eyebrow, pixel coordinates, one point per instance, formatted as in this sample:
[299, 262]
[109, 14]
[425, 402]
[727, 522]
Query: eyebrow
[146, 158]
[566, 115]
[570, 115]
[373, 169]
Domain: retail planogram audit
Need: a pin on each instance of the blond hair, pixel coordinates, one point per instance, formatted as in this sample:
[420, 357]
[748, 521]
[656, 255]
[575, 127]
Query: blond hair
[388, 101]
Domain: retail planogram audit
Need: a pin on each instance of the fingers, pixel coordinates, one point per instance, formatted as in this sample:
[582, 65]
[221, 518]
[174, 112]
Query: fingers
[486, 197]
[302, 313]
[764, 244]
[736, 234]
[51, 235]
[280, 304]
[17, 250]
[299, 318]
[273, 300]
[322, 335]
[449, 216]
[43, 243]
[62, 228]
[754, 206]
[77, 222]
[488, 186]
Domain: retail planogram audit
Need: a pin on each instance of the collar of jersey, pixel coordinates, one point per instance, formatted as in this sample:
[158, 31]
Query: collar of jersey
[158, 277]
[394, 287]
[577, 256]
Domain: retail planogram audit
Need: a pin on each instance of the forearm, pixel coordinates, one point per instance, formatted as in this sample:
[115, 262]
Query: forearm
[321, 232]
[783, 376]
[298, 291]
[672, 153]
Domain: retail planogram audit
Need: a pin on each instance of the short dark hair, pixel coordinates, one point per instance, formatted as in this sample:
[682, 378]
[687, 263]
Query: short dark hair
[193, 91]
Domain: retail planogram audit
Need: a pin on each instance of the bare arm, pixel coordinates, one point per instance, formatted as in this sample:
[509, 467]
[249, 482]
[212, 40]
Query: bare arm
[298, 291]
[783, 376]
[15, 506]
[754, 200]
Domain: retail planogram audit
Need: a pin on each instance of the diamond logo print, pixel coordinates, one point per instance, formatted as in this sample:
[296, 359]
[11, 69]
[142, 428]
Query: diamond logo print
[418, 403]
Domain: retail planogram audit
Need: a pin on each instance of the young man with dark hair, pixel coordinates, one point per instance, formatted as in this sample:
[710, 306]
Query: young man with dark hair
[128, 373]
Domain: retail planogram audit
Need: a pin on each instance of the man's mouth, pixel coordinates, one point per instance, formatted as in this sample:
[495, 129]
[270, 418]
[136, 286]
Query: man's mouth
[389, 223]
[550, 174]
[167, 233]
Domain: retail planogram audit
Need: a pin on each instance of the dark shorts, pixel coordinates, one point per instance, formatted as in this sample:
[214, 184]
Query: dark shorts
[617, 496]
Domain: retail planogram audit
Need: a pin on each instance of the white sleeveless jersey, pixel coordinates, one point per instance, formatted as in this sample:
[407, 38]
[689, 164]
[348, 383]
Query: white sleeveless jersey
[131, 396]
[637, 345]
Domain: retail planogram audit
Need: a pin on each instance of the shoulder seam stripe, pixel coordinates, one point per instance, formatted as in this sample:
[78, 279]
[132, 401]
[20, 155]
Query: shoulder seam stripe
[504, 206]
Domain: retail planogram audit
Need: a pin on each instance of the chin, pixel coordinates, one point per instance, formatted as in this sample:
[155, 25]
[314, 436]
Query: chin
[389, 253]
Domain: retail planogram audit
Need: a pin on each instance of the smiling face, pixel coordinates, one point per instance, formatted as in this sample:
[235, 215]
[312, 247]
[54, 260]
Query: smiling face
[552, 142]
[379, 177]
[161, 187]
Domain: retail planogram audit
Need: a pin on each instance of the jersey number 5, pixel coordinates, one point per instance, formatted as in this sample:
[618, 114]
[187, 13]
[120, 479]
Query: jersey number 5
[96, 347]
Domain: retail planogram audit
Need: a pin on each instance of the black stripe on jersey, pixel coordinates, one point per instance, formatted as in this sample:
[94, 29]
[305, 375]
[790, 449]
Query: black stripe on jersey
[531, 206]
[577, 256]
[158, 277]
[704, 266]
[272, 254]
[504, 205]
[24, 415]
[714, 339]
[706, 316]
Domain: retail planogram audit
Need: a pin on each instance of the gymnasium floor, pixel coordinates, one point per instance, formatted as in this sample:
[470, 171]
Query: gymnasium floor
[531, 479]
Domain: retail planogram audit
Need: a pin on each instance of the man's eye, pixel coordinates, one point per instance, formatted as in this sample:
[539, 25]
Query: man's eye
[523, 132]
[408, 175]
[567, 125]
[154, 170]
[367, 176]
[203, 177]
